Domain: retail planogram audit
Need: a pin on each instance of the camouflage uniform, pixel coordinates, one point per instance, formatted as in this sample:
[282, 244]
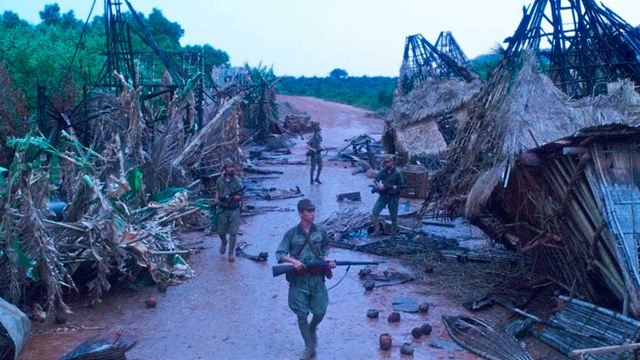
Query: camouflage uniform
[307, 293]
[316, 157]
[388, 197]
[228, 212]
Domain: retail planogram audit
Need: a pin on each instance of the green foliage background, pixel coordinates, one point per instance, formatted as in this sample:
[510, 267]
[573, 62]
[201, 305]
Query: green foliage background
[373, 93]
[40, 54]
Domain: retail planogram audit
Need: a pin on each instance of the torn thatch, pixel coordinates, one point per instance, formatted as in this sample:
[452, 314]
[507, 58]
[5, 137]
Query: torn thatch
[425, 120]
[519, 109]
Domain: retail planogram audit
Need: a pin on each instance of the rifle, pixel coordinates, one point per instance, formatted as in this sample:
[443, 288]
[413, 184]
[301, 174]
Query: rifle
[224, 200]
[288, 268]
[374, 189]
[309, 152]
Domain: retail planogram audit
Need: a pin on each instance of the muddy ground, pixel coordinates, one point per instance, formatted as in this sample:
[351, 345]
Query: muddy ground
[238, 311]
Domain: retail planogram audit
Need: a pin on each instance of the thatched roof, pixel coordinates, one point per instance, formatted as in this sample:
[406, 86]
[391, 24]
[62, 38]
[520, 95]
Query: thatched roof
[518, 110]
[420, 138]
[431, 100]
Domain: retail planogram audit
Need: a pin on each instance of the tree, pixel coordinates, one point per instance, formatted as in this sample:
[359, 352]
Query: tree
[338, 73]
[10, 19]
[51, 14]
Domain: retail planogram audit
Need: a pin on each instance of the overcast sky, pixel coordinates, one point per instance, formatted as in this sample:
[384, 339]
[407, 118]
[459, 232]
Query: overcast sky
[312, 37]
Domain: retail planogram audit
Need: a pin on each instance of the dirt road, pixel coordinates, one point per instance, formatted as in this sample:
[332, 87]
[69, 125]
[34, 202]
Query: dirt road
[238, 311]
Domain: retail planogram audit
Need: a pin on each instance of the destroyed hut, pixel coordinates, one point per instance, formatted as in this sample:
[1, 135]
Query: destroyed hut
[435, 88]
[547, 163]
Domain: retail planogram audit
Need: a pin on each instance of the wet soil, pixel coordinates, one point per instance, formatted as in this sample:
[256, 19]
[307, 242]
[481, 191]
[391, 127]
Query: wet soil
[239, 311]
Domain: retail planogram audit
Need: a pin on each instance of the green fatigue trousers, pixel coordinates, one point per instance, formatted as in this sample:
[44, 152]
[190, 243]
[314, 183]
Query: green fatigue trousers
[392, 203]
[229, 222]
[316, 161]
[308, 294]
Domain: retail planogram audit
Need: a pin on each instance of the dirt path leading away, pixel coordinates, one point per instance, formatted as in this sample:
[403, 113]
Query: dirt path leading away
[238, 311]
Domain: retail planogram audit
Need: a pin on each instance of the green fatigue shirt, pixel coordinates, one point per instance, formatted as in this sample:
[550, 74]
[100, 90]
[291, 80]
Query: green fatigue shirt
[314, 143]
[308, 293]
[293, 244]
[227, 186]
[390, 179]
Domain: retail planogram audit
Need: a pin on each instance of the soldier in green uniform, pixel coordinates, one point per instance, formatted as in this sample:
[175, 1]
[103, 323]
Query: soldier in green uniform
[228, 198]
[314, 151]
[307, 291]
[388, 183]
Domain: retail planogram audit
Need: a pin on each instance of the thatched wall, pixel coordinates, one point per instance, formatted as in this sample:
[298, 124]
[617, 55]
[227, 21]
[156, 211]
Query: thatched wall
[574, 205]
[425, 120]
[420, 138]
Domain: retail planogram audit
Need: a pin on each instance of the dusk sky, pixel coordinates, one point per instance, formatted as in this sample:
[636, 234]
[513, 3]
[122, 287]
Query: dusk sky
[305, 37]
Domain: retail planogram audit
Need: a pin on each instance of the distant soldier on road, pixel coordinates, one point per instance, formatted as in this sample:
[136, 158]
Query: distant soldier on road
[314, 150]
[304, 243]
[228, 198]
[388, 184]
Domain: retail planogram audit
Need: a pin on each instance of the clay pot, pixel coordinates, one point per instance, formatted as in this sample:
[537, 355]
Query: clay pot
[373, 313]
[406, 349]
[416, 332]
[424, 308]
[151, 302]
[385, 341]
[394, 317]
[61, 317]
[369, 285]
[426, 329]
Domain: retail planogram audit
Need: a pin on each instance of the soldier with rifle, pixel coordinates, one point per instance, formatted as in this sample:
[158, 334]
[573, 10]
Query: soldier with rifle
[306, 242]
[314, 150]
[227, 203]
[387, 184]
[304, 249]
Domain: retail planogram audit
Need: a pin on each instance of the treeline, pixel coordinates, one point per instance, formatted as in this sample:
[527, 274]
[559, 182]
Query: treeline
[373, 93]
[41, 54]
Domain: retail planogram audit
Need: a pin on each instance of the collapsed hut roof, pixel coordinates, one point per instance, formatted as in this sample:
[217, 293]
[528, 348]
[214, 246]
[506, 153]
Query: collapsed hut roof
[584, 44]
[432, 100]
[573, 205]
[518, 110]
[423, 62]
[435, 83]
[448, 45]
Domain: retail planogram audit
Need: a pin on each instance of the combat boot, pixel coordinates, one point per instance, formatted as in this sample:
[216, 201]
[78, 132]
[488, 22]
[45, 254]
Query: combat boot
[223, 244]
[376, 228]
[232, 249]
[308, 354]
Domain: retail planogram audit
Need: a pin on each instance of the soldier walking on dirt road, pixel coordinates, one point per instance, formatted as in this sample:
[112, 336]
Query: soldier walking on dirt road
[314, 151]
[228, 198]
[387, 184]
[305, 243]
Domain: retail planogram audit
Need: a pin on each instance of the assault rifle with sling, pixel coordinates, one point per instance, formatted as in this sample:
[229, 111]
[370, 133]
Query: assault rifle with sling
[225, 201]
[374, 189]
[314, 266]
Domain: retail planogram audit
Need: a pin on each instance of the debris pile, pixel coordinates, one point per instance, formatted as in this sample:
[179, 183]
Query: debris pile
[584, 330]
[81, 212]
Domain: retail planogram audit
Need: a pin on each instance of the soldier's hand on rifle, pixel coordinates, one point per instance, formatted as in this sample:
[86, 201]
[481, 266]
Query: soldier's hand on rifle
[297, 264]
[331, 264]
